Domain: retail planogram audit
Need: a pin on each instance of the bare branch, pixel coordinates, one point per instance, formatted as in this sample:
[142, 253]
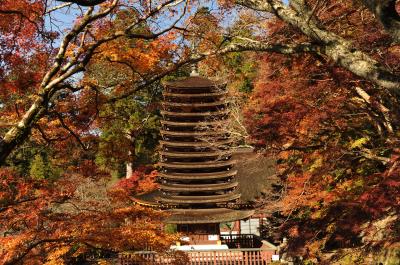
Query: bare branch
[65, 126]
[84, 2]
[382, 109]
[58, 7]
[250, 45]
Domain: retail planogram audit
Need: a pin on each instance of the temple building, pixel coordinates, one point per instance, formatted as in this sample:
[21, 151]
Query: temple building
[198, 166]
[197, 170]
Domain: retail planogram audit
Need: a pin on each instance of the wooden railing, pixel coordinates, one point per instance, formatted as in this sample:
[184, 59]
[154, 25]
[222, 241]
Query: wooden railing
[241, 241]
[250, 256]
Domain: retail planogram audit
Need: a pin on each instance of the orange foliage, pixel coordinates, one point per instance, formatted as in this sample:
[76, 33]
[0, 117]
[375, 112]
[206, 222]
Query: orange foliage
[43, 223]
[332, 151]
[142, 180]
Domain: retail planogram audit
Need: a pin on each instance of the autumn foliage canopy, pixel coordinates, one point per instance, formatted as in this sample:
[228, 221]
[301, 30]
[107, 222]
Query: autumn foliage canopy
[80, 89]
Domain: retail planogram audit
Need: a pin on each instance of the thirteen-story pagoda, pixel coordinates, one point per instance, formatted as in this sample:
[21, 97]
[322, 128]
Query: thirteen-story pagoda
[197, 176]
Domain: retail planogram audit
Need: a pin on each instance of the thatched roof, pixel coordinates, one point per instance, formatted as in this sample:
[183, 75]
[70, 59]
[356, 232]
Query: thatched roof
[256, 174]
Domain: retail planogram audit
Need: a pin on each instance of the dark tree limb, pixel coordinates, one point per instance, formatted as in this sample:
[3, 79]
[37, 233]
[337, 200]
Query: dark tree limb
[31, 245]
[84, 2]
[47, 139]
[66, 127]
[242, 44]
[66, 66]
[385, 12]
[339, 50]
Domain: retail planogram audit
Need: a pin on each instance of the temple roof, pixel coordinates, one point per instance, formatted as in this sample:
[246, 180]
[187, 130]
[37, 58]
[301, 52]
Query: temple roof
[193, 82]
[204, 216]
[194, 216]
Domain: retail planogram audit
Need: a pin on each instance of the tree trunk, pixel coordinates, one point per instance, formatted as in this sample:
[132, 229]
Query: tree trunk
[131, 155]
[129, 170]
[19, 132]
[338, 49]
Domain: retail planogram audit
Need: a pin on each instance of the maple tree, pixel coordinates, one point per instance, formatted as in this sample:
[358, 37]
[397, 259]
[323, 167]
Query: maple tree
[61, 121]
[54, 218]
[335, 137]
[44, 224]
[97, 33]
[72, 57]
[325, 102]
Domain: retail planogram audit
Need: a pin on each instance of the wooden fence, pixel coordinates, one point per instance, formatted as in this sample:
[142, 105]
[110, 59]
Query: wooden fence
[241, 241]
[249, 256]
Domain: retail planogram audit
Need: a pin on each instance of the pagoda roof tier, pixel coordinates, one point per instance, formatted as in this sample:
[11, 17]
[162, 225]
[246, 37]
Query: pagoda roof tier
[194, 82]
[191, 133]
[195, 104]
[194, 114]
[191, 124]
[197, 95]
[194, 216]
[206, 216]
[198, 187]
[196, 144]
[198, 176]
[197, 165]
[195, 154]
[196, 199]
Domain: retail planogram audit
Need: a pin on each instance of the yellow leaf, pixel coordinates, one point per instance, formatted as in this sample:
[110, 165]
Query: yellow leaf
[359, 142]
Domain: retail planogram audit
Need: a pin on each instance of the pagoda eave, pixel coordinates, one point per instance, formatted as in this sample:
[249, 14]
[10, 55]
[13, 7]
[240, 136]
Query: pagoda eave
[191, 133]
[200, 95]
[196, 165]
[195, 105]
[206, 216]
[196, 144]
[195, 154]
[190, 124]
[193, 83]
[197, 188]
[194, 114]
[198, 176]
[196, 199]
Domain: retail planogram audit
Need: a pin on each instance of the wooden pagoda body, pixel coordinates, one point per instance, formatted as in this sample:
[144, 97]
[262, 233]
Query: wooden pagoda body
[197, 173]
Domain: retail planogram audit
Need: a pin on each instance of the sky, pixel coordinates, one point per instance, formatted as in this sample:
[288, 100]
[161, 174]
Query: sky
[63, 19]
